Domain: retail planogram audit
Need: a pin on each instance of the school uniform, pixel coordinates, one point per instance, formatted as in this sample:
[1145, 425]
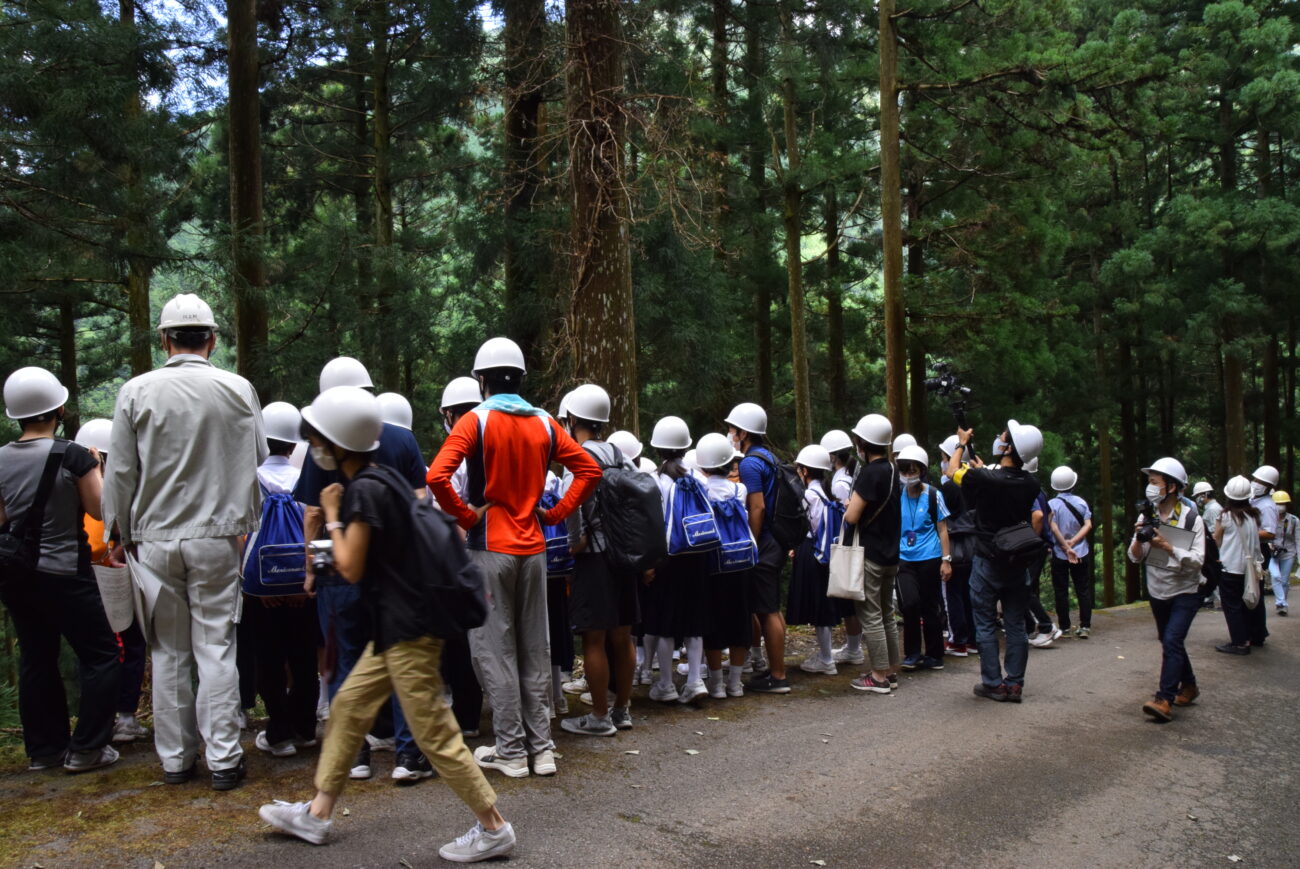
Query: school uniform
[920, 587]
[728, 622]
[563, 649]
[604, 598]
[673, 605]
[807, 603]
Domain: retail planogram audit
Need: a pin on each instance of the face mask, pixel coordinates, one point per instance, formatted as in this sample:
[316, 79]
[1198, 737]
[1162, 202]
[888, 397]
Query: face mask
[323, 459]
[1258, 490]
[734, 441]
[999, 447]
[910, 480]
[1155, 494]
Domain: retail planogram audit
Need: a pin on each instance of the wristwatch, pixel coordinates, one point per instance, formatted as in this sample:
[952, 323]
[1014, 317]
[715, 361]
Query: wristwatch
[947, 558]
[334, 526]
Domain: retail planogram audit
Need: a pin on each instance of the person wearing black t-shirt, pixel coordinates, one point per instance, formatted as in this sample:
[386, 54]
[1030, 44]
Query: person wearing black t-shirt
[1002, 497]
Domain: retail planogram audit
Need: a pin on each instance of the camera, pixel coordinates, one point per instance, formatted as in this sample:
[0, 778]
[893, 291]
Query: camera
[1150, 521]
[322, 555]
[948, 385]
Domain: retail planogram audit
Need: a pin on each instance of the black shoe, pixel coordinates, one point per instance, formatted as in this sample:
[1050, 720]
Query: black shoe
[1230, 649]
[766, 683]
[361, 766]
[229, 779]
[181, 777]
[1000, 693]
[411, 767]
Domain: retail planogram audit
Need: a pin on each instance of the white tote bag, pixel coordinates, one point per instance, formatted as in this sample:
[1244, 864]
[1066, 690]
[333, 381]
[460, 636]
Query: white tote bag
[847, 563]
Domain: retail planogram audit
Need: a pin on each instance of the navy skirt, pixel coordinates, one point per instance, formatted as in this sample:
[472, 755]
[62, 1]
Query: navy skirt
[808, 603]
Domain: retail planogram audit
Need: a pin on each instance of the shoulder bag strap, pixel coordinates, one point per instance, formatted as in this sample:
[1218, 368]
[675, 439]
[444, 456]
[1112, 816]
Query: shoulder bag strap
[33, 522]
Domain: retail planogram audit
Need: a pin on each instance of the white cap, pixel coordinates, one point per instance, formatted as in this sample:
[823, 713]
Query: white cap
[1237, 489]
[462, 390]
[1268, 475]
[748, 417]
[1027, 440]
[913, 453]
[646, 466]
[903, 440]
[671, 433]
[1031, 466]
[714, 451]
[589, 402]
[347, 416]
[875, 429]
[1169, 467]
[282, 422]
[395, 409]
[498, 353]
[1064, 478]
[97, 433]
[814, 456]
[1202, 488]
[689, 460]
[344, 371]
[949, 445]
[186, 311]
[33, 391]
[835, 440]
[627, 444]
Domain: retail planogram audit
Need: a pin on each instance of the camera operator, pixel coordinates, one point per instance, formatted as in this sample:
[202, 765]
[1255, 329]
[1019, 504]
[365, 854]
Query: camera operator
[1173, 581]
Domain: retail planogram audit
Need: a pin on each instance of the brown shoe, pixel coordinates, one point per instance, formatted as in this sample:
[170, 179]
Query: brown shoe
[1158, 709]
[1187, 696]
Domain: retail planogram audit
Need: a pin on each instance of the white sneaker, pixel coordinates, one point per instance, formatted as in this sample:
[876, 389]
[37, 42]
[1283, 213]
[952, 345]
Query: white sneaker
[683, 669]
[663, 693]
[127, 729]
[693, 690]
[1041, 640]
[377, 744]
[322, 712]
[755, 664]
[280, 749]
[296, 819]
[486, 756]
[544, 762]
[479, 844]
[561, 705]
[814, 664]
[586, 698]
[717, 687]
[644, 677]
[1057, 633]
[842, 655]
[736, 690]
[575, 686]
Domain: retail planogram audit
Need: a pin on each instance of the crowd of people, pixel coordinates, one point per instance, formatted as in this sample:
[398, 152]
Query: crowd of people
[313, 559]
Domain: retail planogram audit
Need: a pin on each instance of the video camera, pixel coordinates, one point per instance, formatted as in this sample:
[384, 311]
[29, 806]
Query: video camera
[1150, 521]
[946, 384]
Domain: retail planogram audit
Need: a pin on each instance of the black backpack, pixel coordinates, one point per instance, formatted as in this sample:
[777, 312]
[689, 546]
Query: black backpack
[630, 511]
[436, 559]
[789, 515]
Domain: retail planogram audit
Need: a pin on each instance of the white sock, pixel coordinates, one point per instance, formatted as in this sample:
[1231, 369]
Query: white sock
[694, 658]
[733, 677]
[640, 654]
[755, 652]
[715, 676]
[645, 653]
[824, 644]
[323, 696]
[855, 643]
[665, 652]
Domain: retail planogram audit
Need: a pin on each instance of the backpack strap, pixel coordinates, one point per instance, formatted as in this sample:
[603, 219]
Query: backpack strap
[1078, 517]
[32, 525]
[934, 506]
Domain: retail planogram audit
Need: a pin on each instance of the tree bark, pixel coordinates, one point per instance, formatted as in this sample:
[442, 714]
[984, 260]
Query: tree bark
[835, 308]
[1233, 371]
[891, 219]
[68, 365]
[917, 422]
[362, 170]
[602, 316]
[139, 268]
[1105, 502]
[792, 218]
[385, 251]
[246, 227]
[760, 241]
[1128, 436]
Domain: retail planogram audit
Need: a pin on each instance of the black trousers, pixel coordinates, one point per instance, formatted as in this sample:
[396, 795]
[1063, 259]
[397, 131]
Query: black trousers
[246, 664]
[45, 608]
[1080, 574]
[284, 637]
[1036, 617]
[920, 597]
[1244, 625]
[134, 653]
[457, 668]
[961, 621]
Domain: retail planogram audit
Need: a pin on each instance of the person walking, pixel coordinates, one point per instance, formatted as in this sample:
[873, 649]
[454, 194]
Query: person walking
[182, 490]
[1237, 534]
[47, 484]
[1071, 522]
[1285, 546]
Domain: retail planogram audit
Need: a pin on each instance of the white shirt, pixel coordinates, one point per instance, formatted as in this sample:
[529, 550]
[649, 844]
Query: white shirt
[1067, 524]
[1268, 513]
[720, 489]
[278, 475]
[842, 486]
[1240, 541]
[812, 497]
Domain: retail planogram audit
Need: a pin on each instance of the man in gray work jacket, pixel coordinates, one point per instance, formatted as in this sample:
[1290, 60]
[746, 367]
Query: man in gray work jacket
[182, 489]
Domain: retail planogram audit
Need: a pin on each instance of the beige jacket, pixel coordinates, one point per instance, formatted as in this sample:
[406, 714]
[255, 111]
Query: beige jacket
[187, 440]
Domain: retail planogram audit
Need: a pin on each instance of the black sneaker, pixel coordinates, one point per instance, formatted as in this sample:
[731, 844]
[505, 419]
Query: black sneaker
[1230, 649]
[766, 683]
[361, 766]
[412, 766]
[182, 776]
[929, 662]
[51, 761]
[229, 779]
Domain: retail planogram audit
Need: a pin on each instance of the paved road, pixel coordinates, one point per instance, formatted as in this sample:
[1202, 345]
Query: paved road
[931, 776]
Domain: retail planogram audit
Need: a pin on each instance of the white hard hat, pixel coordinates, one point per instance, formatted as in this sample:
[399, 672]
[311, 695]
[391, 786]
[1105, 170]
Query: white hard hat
[1237, 489]
[875, 429]
[646, 466]
[814, 456]
[1027, 440]
[33, 391]
[835, 440]
[1031, 466]
[1064, 478]
[949, 445]
[186, 311]
[748, 417]
[1268, 475]
[282, 422]
[671, 433]
[913, 453]
[344, 371]
[903, 440]
[714, 451]
[589, 402]
[462, 390]
[395, 409]
[1168, 467]
[627, 444]
[689, 460]
[97, 433]
[1202, 488]
[498, 353]
[347, 416]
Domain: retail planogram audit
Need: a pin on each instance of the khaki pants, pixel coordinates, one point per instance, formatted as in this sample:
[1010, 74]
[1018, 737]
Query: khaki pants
[876, 613]
[410, 669]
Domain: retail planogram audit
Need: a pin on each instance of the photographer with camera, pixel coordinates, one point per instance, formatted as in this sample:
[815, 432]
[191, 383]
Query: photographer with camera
[1169, 539]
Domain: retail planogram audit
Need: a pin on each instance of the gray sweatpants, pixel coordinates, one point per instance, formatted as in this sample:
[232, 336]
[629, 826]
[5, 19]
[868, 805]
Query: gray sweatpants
[512, 652]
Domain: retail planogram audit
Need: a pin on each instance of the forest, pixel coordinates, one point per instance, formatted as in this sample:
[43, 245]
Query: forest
[1088, 209]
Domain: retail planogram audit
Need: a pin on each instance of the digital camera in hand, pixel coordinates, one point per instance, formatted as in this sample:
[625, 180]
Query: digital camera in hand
[1150, 521]
[322, 555]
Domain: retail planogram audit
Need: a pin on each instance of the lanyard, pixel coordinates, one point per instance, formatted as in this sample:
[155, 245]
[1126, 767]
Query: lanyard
[916, 509]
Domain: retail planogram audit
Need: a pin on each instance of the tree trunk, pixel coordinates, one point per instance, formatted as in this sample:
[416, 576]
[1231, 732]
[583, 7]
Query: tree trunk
[1105, 502]
[1233, 371]
[525, 260]
[1128, 436]
[68, 365]
[835, 308]
[246, 226]
[1290, 400]
[385, 251]
[917, 422]
[362, 169]
[761, 246]
[891, 218]
[139, 269]
[602, 316]
[792, 211]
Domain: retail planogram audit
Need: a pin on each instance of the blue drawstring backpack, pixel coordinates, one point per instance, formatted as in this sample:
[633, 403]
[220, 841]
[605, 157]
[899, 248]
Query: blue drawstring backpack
[558, 557]
[691, 524]
[275, 555]
[736, 547]
[832, 519]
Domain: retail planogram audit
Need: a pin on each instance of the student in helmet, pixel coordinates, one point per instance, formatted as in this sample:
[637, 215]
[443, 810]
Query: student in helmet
[1238, 535]
[1173, 575]
[925, 562]
[844, 459]
[1210, 509]
[1262, 484]
[1285, 546]
[509, 445]
[1071, 522]
[396, 410]
[807, 600]
[1038, 624]
[182, 496]
[961, 545]
[55, 595]
[1003, 497]
[369, 524]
